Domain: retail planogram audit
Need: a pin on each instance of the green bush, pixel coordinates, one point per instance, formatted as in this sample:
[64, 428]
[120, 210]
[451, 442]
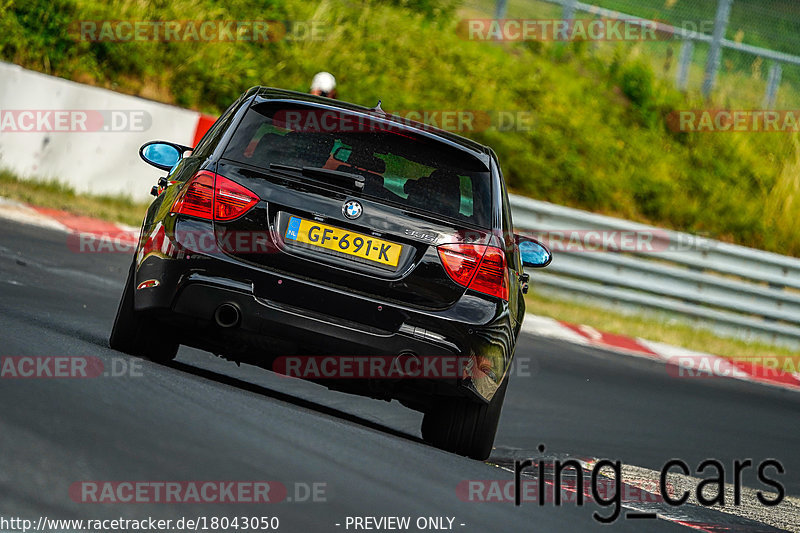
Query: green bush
[598, 139]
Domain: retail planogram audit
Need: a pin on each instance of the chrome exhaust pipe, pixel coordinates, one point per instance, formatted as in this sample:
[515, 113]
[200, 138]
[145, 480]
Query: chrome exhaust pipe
[402, 361]
[227, 315]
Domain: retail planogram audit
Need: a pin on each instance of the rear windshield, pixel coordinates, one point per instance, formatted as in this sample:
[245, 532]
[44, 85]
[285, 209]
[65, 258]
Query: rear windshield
[399, 166]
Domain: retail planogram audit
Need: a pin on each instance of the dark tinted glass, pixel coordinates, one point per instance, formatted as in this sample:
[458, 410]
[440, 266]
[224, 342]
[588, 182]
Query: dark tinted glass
[399, 165]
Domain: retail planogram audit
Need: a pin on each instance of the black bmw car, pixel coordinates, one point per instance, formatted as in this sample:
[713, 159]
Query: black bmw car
[302, 228]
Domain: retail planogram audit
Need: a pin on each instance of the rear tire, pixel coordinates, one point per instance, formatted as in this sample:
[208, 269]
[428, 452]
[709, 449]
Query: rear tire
[464, 427]
[135, 333]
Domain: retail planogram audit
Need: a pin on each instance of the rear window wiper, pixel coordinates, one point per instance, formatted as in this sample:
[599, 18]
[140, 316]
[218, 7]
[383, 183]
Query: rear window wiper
[343, 178]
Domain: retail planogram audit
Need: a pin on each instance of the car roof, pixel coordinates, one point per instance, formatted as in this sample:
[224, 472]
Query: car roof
[272, 93]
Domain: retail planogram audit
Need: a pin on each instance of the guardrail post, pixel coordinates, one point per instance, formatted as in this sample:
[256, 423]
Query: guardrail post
[685, 59]
[569, 10]
[500, 9]
[773, 82]
[715, 52]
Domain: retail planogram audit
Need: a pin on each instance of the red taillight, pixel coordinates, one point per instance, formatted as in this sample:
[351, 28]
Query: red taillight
[232, 200]
[198, 197]
[492, 275]
[208, 195]
[461, 261]
[477, 267]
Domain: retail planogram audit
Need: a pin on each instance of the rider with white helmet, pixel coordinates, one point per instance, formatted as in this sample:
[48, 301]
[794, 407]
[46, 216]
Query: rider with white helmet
[323, 84]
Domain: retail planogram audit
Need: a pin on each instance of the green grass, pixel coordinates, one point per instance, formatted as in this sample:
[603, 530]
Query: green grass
[58, 196]
[599, 139]
[768, 25]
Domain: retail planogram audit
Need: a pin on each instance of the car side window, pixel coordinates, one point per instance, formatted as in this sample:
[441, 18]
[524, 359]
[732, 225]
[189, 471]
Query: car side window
[214, 133]
[508, 225]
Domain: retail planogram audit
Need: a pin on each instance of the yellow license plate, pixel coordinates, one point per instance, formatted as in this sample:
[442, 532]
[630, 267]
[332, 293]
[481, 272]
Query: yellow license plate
[344, 241]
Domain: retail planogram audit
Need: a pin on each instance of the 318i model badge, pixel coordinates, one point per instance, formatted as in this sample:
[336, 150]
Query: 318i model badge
[352, 209]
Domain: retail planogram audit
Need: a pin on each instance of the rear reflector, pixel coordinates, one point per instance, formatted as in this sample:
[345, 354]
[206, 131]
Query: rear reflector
[477, 267]
[208, 195]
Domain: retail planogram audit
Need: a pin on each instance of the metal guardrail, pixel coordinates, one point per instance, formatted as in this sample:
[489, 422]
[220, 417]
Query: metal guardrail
[756, 293]
[679, 32]
[717, 42]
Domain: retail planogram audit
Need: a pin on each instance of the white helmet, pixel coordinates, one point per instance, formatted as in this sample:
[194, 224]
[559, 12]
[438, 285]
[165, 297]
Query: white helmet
[323, 82]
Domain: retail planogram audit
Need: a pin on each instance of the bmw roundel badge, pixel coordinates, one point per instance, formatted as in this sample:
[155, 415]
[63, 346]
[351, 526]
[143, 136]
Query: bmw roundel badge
[352, 209]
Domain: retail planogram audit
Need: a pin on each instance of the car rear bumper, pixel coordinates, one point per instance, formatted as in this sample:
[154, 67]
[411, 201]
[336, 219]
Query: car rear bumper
[281, 315]
[201, 297]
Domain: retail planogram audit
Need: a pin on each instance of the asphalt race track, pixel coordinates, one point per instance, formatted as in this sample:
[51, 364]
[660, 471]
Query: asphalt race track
[204, 418]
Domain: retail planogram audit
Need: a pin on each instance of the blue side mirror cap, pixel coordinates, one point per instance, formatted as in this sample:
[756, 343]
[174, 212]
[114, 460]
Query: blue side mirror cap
[534, 254]
[161, 154]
